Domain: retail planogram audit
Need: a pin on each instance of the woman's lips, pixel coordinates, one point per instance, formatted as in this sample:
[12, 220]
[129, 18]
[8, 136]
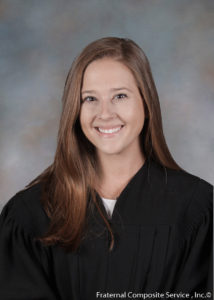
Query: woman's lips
[108, 132]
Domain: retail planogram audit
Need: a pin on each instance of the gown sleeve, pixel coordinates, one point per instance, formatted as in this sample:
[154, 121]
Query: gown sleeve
[196, 269]
[23, 275]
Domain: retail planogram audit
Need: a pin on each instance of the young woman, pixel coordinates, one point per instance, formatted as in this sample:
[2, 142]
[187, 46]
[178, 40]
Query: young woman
[114, 215]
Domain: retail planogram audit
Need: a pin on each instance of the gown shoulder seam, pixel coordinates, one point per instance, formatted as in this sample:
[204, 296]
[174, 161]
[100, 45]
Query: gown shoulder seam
[200, 206]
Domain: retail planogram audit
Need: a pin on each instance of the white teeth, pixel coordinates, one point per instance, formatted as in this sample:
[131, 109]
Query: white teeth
[109, 130]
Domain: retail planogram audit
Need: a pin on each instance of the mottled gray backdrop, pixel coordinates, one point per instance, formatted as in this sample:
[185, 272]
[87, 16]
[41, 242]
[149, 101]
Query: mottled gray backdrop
[40, 38]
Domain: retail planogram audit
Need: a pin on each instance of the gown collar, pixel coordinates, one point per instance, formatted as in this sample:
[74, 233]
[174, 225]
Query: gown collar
[133, 183]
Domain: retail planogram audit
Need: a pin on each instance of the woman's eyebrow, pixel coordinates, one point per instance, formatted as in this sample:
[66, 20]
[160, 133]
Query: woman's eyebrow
[113, 89]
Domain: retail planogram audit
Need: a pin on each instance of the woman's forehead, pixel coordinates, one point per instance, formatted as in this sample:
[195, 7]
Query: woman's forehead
[107, 73]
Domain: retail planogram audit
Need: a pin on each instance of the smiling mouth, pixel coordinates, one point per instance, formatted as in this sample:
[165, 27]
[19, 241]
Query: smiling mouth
[110, 131]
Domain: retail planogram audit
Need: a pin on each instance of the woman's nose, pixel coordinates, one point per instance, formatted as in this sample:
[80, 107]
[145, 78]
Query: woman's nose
[106, 109]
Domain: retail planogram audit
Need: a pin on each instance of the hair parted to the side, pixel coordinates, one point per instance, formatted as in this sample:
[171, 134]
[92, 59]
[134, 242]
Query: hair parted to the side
[70, 179]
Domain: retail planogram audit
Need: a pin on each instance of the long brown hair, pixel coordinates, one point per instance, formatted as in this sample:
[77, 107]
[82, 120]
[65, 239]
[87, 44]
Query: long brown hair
[69, 180]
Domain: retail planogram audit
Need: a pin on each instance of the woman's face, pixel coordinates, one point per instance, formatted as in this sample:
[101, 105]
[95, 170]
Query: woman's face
[112, 113]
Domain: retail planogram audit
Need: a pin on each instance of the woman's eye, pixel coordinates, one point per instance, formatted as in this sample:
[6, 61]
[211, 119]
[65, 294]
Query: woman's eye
[88, 99]
[121, 96]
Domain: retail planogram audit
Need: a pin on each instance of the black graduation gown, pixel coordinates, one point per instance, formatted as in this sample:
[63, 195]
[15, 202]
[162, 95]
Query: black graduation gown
[163, 244]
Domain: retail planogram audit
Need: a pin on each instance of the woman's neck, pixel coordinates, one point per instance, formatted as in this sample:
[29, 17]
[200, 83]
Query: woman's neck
[116, 166]
[115, 171]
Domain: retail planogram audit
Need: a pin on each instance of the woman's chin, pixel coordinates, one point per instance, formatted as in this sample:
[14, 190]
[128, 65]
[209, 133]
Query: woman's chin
[110, 151]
